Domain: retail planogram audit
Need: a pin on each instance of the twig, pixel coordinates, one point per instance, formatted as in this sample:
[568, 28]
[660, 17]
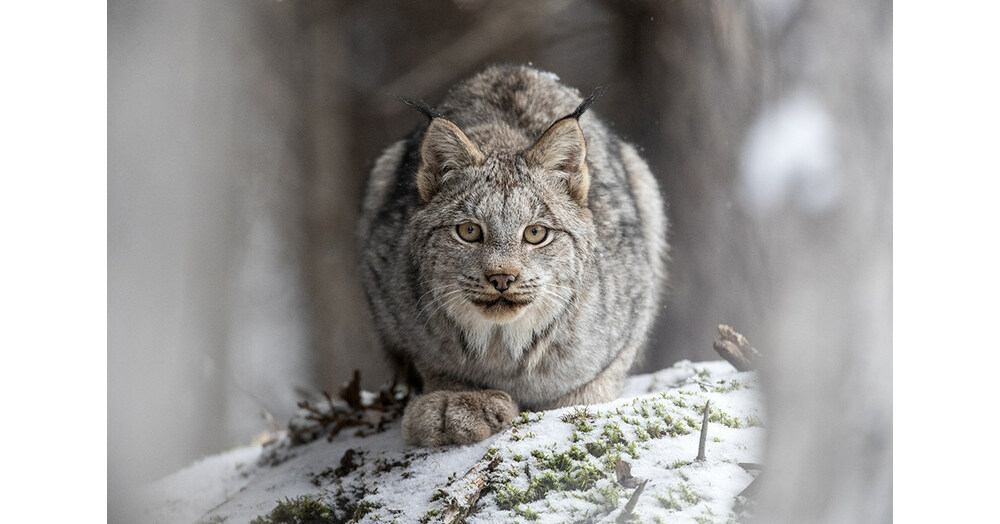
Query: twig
[351, 393]
[347, 411]
[735, 348]
[751, 490]
[346, 423]
[704, 433]
[632, 501]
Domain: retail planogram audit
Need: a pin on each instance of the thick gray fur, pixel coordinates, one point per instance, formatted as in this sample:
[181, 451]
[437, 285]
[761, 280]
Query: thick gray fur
[592, 290]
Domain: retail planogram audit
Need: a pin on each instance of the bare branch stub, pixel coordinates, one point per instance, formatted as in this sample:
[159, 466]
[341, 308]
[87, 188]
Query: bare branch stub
[623, 473]
[626, 513]
[351, 393]
[704, 432]
[736, 349]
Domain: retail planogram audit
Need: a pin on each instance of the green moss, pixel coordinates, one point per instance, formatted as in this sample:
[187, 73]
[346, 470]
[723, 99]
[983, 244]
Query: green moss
[631, 421]
[576, 453]
[605, 497]
[517, 436]
[542, 484]
[720, 417]
[596, 449]
[526, 512]
[580, 417]
[707, 517]
[508, 497]
[613, 433]
[571, 470]
[679, 497]
[733, 386]
[678, 427]
[364, 507]
[582, 477]
[679, 463]
[559, 461]
[526, 418]
[300, 510]
[431, 513]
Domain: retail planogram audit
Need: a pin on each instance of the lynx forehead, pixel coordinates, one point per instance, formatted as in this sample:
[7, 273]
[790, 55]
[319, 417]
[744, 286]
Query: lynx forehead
[513, 255]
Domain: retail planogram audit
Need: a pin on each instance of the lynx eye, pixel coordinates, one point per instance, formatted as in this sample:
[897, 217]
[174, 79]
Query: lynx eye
[535, 234]
[470, 232]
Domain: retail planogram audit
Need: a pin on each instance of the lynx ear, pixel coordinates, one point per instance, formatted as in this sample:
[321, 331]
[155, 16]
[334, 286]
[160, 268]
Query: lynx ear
[563, 149]
[445, 148]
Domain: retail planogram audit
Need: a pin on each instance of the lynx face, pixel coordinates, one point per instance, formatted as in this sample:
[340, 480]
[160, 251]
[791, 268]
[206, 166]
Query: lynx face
[503, 242]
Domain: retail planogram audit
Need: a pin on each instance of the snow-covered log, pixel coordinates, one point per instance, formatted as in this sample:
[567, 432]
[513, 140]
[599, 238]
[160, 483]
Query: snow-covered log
[632, 459]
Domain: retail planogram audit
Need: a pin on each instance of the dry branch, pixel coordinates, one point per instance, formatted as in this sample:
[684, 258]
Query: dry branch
[704, 432]
[736, 349]
[346, 411]
[466, 490]
[632, 501]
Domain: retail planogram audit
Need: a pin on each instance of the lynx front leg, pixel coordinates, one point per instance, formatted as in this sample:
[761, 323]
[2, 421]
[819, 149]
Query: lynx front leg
[456, 417]
[605, 387]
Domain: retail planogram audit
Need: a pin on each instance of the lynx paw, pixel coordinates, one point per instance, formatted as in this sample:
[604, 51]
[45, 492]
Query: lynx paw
[456, 417]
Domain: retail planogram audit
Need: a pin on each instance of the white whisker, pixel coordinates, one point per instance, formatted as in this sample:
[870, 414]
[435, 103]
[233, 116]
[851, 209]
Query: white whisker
[438, 299]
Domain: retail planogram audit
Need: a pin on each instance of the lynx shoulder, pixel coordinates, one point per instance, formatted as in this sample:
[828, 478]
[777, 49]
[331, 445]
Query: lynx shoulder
[513, 255]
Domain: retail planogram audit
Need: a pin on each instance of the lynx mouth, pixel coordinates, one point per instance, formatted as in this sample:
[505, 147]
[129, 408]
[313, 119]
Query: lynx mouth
[500, 304]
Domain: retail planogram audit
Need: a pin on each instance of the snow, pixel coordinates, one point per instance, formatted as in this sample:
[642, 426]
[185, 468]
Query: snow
[527, 469]
[789, 155]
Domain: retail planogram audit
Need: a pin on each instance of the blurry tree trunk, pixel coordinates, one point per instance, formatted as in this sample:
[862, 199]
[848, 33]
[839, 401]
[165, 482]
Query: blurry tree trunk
[696, 66]
[811, 284]
[331, 191]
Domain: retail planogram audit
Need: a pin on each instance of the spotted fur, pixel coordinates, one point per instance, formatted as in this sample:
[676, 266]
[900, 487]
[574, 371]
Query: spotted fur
[507, 149]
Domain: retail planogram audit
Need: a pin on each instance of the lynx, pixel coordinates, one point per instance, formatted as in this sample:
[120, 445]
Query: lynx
[514, 252]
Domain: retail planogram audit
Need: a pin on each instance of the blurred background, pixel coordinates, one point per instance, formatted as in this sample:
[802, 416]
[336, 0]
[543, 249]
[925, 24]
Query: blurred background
[241, 132]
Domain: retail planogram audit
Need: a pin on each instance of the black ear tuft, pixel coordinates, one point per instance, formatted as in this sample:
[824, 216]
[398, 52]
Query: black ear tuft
[420, 106]
[585, 105]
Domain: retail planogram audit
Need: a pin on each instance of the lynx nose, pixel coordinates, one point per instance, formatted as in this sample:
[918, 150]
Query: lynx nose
[501, 281]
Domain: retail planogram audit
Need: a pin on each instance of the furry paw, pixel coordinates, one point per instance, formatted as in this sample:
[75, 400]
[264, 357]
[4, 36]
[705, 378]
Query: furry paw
[456, 417]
